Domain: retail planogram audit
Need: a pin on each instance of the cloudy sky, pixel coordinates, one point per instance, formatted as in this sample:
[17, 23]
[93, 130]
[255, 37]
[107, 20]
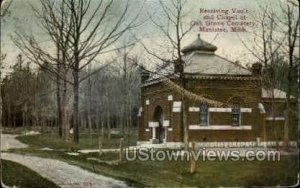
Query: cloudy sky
[229, 45]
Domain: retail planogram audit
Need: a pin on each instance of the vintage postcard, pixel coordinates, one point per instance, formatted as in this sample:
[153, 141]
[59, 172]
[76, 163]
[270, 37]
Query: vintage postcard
[149, 93]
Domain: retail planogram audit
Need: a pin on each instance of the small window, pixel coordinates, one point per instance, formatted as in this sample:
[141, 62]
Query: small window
[203, 114]
[236, 115]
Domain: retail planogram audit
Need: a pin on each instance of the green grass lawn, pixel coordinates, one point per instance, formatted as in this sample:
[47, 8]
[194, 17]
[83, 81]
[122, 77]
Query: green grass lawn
[15, 174]
[86, 141]
[167, 173]
[175, 173]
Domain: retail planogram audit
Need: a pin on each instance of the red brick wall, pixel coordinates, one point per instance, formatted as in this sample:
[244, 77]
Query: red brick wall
[246, 92]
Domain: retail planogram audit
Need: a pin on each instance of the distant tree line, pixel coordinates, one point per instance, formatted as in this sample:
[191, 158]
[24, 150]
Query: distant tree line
[109, 98]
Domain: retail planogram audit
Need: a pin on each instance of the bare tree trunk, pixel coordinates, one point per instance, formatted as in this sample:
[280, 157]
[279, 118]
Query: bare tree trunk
[123, 119]
[121, 146]
[99, 134]
[184, 116]
[27, 119]
[126, 111]
[90, 122]
[102, 129]
[76, 104]
[23, 118]
[58, 95]
[108, 125]
[193, 161]
[98, 119]
[15, 120]
[100, 140]
[81, 123]
[33, 121]
[287, 112]
[185, 127]
[89, 115]
[65, 119]
[9, 120]
[43, 125]
[130, 118]
[59, 110]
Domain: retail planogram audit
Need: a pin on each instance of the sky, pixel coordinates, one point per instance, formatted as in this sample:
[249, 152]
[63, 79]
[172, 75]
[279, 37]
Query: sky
[229, 44]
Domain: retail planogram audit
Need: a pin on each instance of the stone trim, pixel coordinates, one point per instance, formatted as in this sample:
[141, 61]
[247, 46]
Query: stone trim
[153, 124]
[166, 123]
[261, 108]
[147, 102]
[220, 127]
[170, 97]
[249, 144]
[176, 106]
[247, 110]
[221, 77]
[241, 144]
[275, 118]
[148, 144]
[196, 109]
[219, 109]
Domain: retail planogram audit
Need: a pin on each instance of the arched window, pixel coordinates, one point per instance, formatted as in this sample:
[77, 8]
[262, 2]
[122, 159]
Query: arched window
[236, 115]
[203, 114]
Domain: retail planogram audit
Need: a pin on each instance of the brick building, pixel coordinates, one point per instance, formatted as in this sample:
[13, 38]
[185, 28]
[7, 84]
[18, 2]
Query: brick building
[244, 119]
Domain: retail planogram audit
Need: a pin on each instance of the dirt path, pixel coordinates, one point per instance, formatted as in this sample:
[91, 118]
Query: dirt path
[62, 173]
[9, 141]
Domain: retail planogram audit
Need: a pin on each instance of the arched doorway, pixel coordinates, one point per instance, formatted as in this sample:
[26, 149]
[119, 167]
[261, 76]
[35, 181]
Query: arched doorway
[160, 130]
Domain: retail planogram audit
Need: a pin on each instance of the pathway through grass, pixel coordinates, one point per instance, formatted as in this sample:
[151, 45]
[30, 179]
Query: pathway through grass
[15, 174]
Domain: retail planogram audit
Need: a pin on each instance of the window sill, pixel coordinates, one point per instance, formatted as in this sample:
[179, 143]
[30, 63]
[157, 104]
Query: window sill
[275, 118]
[220, 127]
